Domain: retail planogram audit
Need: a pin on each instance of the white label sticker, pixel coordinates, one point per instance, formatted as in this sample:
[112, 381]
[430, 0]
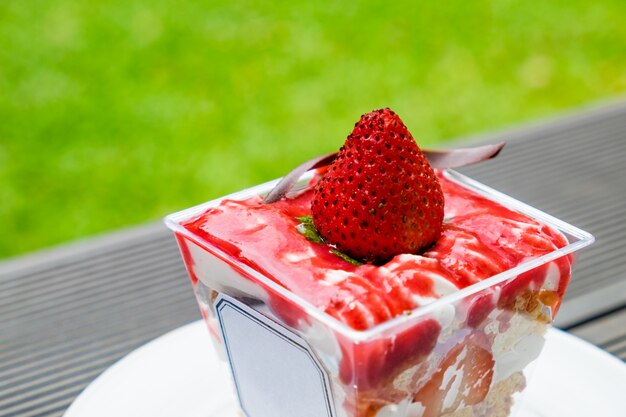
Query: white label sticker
[275, 372]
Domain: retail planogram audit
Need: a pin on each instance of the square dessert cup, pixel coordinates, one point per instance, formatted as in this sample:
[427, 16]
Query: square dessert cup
[465, 354]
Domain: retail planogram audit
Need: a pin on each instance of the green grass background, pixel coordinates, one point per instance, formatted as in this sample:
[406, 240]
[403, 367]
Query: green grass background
[114, 113]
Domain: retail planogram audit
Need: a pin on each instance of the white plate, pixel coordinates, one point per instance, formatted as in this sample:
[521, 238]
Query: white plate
[179, 375]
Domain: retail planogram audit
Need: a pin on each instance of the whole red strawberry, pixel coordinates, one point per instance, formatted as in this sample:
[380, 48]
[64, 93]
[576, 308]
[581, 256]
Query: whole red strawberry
[380, 197]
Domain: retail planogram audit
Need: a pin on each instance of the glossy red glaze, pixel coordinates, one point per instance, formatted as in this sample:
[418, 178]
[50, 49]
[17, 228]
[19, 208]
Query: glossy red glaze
[480, 239]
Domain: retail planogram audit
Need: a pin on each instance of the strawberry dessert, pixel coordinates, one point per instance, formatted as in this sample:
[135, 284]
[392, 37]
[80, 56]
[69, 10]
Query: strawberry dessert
[421, 295]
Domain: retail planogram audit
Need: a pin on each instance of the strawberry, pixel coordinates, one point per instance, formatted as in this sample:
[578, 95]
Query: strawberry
[480, 307]
[380, 197]
[374, 363]
[463, 377]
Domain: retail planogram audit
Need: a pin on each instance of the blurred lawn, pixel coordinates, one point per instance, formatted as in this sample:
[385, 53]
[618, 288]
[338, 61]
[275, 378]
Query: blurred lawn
[114, 113]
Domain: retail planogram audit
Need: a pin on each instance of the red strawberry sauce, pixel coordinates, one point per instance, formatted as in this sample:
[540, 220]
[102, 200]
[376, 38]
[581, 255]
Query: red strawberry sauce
[480, 238]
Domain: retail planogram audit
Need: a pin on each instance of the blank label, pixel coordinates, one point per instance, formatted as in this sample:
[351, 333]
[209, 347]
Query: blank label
[275, 372]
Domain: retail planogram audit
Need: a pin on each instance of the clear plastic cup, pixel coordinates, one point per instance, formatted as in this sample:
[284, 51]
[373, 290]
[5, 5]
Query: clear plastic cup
[466, 354]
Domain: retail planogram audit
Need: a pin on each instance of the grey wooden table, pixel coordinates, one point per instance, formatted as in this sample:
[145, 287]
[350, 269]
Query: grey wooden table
[69, 313]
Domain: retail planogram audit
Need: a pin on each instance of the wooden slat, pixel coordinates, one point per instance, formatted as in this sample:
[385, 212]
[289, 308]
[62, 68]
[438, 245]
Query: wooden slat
[608, 332]
[575, 172]
[68, 314]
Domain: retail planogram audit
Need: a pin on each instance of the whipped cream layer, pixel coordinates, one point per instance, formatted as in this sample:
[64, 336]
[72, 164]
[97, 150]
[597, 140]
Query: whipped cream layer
[480, 238]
